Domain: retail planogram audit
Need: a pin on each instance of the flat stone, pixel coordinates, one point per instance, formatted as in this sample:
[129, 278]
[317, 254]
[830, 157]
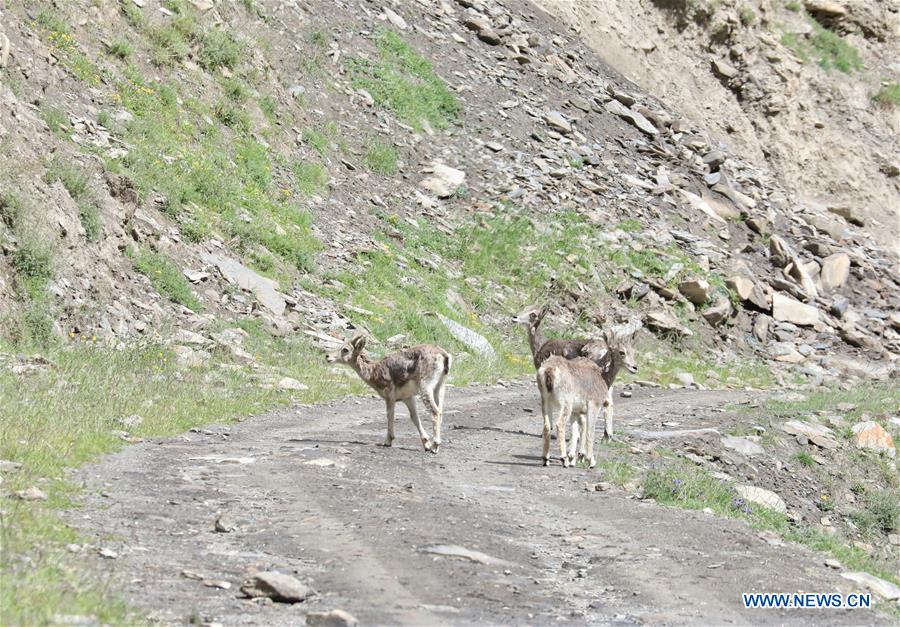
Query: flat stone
[31, 494]
[698, 202]
[884, 589]
[871, 435]
[749, 291]
[723, 69]
[820, 435]
[558, 122]
[786, 309]
[718, 312]
[452, 550]
[395, 19]
[470, 338]
[744, 446]
[332, 618]
[664, 322]
[763, 497]
[848, 213]
[617, 108]
[276, 586]
[786, 352]
[264, 289]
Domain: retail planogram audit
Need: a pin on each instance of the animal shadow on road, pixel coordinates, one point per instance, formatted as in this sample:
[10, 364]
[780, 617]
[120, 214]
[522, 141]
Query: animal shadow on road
[497, 430]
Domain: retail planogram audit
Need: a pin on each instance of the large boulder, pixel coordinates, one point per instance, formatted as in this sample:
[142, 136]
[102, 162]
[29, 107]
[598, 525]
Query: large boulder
[761, 496]
[871, 435]
[835, 271]
[786, 309]
[695, 290]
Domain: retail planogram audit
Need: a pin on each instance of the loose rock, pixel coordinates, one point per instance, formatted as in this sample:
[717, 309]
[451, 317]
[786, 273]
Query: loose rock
[276, 586]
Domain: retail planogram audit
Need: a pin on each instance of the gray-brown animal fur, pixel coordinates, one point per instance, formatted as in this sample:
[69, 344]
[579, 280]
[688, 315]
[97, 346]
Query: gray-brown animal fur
[420, 370]
[571, 390]
[542, 348]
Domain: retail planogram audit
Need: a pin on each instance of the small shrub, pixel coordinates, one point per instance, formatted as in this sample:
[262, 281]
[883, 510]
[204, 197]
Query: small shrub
[381, 157]
[253, 160]
[794, 6]
[104, 119]
[121, 49]
[219, 48]
[805, 458]
[73, 178]
[317, 140]
[33, 265]
[166, 278]
[51, 21]
[880, 512]
[55, 118]
[269, 108]
[132, 14]
[89, 216]
[234, 90]
[747, 15]
[889, 95]
[232, 115]
[833, 51]
[10, 208]
[629, 225]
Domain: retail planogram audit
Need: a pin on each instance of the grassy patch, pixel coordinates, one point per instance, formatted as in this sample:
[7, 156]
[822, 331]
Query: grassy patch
[404, 82]
[889, 95]
[166, 278]
[826, 46]
[311, 177]
[866, 398]
[805, 458]
[75, 180]
[55, 31]
[121, 49]
[55, 118]
[879, 513]
[221, 183]
[381, 158]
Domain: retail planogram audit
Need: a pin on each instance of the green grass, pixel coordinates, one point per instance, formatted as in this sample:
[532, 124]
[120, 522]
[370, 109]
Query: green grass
[866, 398]
[312, 178]
[747, 15]
[219, 48]
[68, 416]
[75, 180]
[166, 278]
[55, 118]
[269, 108]
[121, 49]
[616, 472]
[32, 262]
[805, 458]
[826, 46]
[222, 183]
[56, 33]
[316, 140]
[879, 514]
[381, 158]
[404, 81]
[888, 95]
[630, 225]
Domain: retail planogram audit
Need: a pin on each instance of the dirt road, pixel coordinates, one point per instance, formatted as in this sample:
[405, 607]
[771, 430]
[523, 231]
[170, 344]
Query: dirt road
[312, 494]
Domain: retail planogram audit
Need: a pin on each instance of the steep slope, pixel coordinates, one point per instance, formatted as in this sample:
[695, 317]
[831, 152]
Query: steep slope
[808, 90]
[184, 162]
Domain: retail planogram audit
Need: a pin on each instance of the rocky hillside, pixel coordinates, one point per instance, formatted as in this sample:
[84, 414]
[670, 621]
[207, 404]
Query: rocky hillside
[421, 170]
[809, 90]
